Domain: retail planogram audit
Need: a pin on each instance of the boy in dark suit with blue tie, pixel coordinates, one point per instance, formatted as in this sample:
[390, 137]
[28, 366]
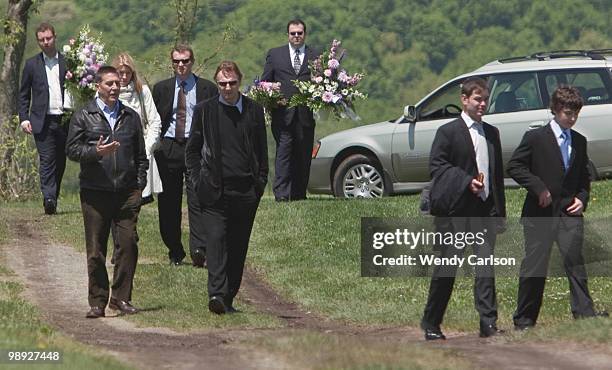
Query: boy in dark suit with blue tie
[552, 164]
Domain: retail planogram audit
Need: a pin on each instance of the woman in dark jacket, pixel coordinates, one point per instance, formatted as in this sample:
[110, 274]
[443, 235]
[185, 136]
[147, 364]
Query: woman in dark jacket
[227, 158]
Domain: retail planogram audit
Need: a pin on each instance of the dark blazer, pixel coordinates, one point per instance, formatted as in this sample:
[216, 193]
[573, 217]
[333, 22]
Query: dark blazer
[452, 165]
[203, 151]
[279, 68]
[34, 90]
[163, 97]
[537, 165]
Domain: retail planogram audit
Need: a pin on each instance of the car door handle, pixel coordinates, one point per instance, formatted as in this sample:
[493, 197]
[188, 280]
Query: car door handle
[536, 124]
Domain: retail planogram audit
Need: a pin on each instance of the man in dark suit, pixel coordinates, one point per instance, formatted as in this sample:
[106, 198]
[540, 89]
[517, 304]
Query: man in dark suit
[552, 164]
[41, 101]
[466, 160]
[293, 128]
[175, 99]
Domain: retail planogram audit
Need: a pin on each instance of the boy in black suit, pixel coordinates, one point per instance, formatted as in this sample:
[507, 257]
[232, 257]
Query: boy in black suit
[467, 195]
[552, 164]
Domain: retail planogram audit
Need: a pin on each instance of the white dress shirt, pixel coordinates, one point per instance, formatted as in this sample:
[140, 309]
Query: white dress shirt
[53, 80]
[481, 149]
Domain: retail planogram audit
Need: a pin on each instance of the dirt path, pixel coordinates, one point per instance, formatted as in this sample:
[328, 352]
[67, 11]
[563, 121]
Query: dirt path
[55, 280]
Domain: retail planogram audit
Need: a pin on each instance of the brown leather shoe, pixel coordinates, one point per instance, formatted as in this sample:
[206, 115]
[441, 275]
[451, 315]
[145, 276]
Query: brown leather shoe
[95, 312]
[124, 307]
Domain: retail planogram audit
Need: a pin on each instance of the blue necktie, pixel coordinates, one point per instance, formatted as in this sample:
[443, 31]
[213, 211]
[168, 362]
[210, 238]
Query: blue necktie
[565, 148]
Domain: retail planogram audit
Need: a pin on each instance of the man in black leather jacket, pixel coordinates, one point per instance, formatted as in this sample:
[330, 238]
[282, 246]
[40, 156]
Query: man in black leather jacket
[105, 137]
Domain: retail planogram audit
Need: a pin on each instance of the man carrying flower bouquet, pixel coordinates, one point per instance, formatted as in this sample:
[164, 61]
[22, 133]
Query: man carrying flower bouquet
[41, 101]
[293, 128]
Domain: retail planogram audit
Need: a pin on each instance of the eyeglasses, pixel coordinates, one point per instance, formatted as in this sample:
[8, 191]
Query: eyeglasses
[298, 33]
[227, 83]
[179, 61]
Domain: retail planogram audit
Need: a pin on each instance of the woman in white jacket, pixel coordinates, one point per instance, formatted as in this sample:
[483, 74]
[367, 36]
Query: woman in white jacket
[137, 96]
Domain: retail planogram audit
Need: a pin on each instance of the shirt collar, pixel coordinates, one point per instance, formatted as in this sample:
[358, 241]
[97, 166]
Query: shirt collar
[557, 129]
[50, 59]
[190, 82]
[238, 104]
[469, 122]
[105, 108]
[302, 49]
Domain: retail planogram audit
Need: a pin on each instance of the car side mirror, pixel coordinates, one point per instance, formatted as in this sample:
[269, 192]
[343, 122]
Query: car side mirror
[410, 113]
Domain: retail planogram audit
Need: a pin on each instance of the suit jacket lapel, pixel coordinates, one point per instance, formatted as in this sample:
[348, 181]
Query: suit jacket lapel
[573, 154]
[307, 57]
[465, 133]
[287, 57]
[42, 70]
[552, 141]
[490, 149]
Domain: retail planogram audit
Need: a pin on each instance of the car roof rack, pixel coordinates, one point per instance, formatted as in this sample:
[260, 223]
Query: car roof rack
[594, 54]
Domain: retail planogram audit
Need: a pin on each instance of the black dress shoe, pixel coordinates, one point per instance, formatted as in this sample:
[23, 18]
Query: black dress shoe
[175, 262]
[489, 331]
[198, 258]
[595, 314]
[95, 312]
[216, 305]
[147, 200]
[124, 307]
[434, 334]
[50, 206]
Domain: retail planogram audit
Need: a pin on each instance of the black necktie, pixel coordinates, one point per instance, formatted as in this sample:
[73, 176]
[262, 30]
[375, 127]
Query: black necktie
[296, 61]
[181, 112]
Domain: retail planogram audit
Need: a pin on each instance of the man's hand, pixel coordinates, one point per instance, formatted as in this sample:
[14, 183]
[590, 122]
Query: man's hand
[545, 199]
[26, 127]
[575, 209]
[106, 149]
[476, 186]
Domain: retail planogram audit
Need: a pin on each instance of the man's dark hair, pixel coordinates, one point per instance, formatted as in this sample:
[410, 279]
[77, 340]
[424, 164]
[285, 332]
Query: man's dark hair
[228, 66]
[44, 26]
[566, 97]
[180, 48]
[104, 70]
[296, 21]
[472, 84]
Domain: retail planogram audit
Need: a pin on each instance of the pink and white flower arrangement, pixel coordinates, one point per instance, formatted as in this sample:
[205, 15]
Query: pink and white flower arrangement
[268, 95]
[330, 87]
[84, 56]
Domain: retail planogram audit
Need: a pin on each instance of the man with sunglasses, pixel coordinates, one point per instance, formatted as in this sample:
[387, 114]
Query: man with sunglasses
[227, 158]
[293, 128]
[175, 99]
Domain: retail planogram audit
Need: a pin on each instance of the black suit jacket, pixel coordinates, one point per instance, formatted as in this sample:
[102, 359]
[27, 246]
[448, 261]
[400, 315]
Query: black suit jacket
[452, 165]
[34, 90]
[163, 97]
[537, 165]
[279, 68]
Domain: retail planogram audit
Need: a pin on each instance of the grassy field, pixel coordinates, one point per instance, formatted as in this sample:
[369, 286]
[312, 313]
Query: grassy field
[310, 252]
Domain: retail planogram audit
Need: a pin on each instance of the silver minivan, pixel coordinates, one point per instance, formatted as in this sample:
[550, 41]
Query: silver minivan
[392, 157]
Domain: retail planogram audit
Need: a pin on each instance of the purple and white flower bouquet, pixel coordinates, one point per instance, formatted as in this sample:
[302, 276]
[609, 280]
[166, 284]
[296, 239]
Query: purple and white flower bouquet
[268, 95]
[84, 56]
[330, 87]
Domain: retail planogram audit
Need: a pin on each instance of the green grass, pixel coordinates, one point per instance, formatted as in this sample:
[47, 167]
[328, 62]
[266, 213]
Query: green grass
[310, 252]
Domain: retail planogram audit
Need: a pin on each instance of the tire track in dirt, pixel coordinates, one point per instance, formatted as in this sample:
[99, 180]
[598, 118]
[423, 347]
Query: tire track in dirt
[55, 280]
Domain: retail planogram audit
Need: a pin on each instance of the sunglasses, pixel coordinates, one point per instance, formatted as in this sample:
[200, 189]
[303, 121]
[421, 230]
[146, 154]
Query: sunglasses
[298, 33]
[179, 61]
[227, 83]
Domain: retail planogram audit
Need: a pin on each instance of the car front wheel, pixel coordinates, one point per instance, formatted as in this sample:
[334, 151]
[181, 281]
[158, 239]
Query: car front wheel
[359, 176]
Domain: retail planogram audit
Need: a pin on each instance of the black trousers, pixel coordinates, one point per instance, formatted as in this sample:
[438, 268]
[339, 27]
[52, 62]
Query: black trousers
[101, 209]
[51, 146]
[293, 156]
[228, 224]
[443, 278]
[170, 159]
[540, 233]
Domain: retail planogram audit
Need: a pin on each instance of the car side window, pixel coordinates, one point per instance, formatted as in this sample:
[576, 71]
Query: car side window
[590, 83]
[514, 92]
[445, 103]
